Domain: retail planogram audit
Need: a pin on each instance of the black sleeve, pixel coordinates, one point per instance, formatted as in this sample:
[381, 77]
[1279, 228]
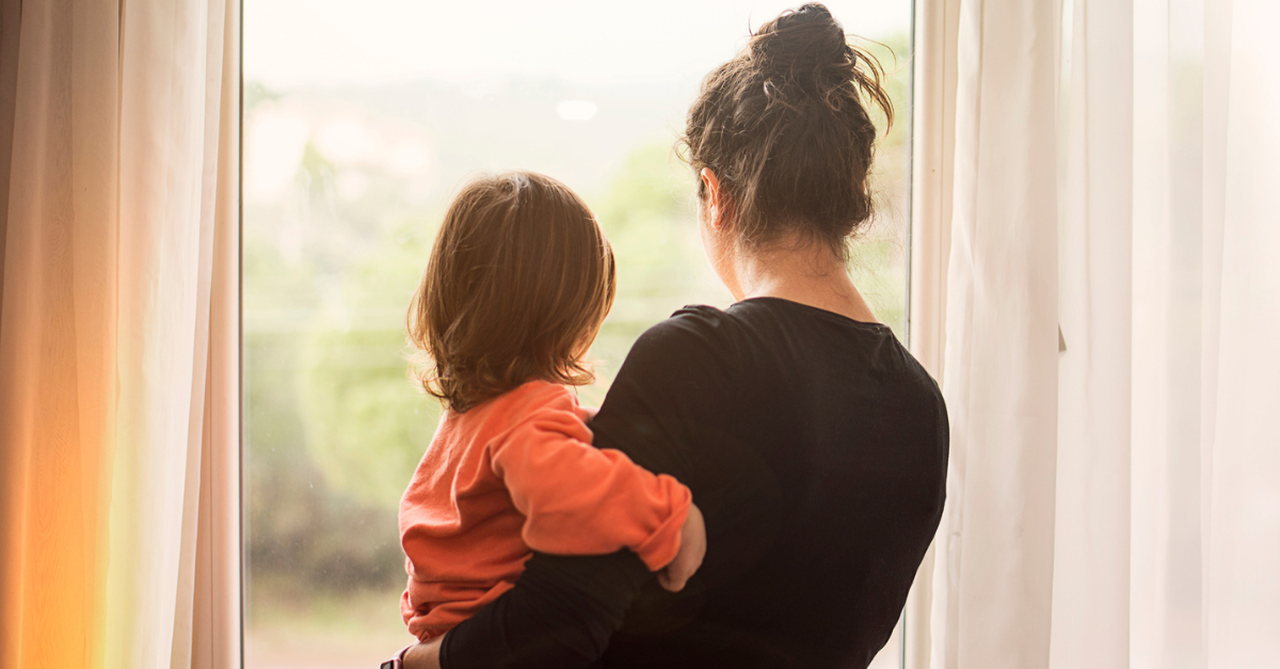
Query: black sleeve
[560, 614]
[564, 609]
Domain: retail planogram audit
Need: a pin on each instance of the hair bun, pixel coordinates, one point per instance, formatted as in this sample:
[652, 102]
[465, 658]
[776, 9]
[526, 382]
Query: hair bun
[785, 127]
[805, 38]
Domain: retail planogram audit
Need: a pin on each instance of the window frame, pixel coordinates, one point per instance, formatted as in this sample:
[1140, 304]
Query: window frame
[934, 32]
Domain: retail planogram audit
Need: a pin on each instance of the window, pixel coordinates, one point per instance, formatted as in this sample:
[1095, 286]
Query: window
[358, 125]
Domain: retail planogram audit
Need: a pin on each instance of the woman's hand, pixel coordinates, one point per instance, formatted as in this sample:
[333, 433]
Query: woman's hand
[693, 547]
[424, 655]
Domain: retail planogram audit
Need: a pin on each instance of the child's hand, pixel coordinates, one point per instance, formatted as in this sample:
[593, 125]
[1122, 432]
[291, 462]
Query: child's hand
[693, 547]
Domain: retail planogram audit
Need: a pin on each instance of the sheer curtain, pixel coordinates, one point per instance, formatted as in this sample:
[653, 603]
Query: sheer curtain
[1113, 308]
[118, 333]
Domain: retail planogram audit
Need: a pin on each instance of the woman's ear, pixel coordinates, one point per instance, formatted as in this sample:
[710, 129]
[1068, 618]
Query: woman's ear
[714, 198]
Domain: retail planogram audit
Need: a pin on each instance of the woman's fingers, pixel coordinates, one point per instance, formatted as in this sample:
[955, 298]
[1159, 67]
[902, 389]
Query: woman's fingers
[693, 547]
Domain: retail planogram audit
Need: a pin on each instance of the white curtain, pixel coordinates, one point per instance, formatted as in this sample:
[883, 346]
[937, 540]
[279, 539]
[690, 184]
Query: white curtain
[118, 334]
[1115, 489]
[994, 553]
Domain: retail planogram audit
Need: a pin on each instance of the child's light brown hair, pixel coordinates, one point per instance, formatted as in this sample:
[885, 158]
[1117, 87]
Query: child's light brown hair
[519, 281]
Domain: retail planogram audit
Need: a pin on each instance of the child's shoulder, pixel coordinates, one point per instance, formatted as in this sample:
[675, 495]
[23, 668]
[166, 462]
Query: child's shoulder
[535, 403]
[527, 398]
[541, 392]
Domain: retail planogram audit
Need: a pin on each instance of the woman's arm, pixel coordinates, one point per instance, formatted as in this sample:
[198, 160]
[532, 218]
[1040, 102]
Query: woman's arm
[424, 655]
[560, 615]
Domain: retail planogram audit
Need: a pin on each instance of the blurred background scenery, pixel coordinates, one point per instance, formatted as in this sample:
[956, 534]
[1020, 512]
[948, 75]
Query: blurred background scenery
[360, 121]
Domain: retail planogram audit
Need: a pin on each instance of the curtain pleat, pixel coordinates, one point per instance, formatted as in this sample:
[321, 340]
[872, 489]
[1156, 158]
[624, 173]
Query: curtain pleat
[57, 335]
[162, 112]
[10, 458]
[216, 625]
[117, 384]
[1160, 493]
[994, 560]
[1092, 529]
[198, 592]
[1242, 593]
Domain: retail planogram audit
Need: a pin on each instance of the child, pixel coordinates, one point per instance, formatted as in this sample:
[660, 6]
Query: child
[518, 283]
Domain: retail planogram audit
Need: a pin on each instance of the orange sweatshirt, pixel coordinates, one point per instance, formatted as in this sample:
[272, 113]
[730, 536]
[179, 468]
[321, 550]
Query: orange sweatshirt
[515, 474]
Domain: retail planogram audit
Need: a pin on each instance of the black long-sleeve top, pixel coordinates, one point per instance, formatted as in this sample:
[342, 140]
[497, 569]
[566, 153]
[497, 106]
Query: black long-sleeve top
[816, 447]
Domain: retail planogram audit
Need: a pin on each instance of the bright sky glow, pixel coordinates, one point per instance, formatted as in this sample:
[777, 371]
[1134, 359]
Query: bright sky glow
[290, 43]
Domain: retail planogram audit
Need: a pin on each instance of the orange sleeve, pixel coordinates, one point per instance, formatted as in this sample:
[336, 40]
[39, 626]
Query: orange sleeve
[579, 500]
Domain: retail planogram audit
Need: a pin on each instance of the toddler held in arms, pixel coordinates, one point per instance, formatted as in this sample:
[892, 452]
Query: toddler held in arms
[518, 283]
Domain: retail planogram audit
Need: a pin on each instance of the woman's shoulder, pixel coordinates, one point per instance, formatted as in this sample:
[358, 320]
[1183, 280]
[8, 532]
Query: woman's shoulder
[694, 351]
[697, 321]
[692, 329]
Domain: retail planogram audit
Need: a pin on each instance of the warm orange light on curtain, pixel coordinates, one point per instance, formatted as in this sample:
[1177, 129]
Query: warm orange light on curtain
[57, 336]
[118, 357]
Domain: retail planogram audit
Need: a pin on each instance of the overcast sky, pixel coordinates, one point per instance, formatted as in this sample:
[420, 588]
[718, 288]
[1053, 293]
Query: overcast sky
[297, 42]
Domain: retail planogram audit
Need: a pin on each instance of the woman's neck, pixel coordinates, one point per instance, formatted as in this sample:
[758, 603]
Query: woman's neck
[809, 274]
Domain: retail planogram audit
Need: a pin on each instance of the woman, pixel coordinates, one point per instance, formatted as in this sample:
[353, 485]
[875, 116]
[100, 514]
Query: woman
[814, 443]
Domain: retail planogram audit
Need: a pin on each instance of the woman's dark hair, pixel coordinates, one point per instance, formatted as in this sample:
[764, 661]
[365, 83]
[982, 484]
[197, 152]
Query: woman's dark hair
[785, 128]
[519, 280]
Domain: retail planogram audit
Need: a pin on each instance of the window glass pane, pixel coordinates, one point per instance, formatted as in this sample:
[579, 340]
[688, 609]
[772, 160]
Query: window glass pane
[360, 119]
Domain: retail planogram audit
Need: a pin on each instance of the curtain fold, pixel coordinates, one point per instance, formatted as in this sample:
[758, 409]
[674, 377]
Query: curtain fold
[57, 335]
[1158, 504]
[994, 562]
[120, 251]
[1090, 615]
[1242, 529]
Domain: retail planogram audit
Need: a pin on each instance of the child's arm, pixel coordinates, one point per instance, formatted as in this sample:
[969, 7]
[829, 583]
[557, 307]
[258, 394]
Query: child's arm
[579, 500]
